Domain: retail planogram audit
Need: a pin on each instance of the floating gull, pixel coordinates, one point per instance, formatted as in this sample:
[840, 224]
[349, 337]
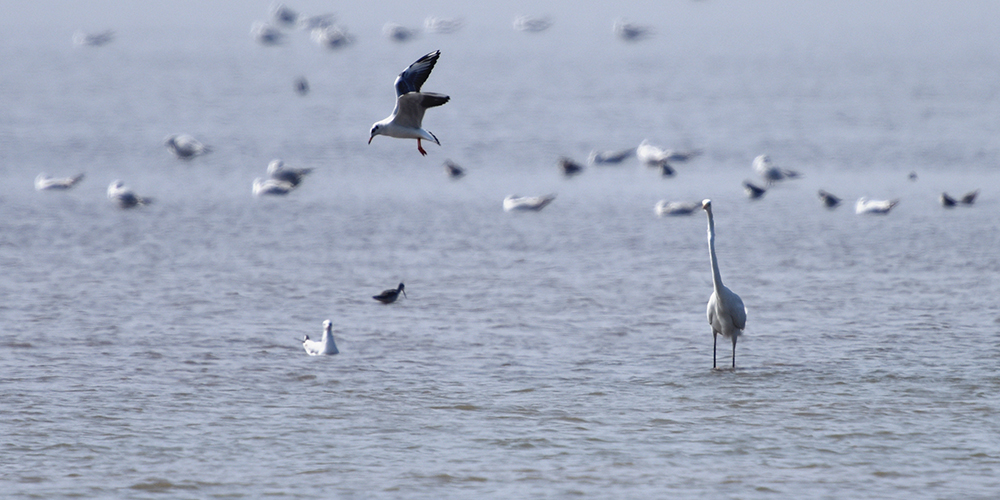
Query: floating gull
[453, 170]
[389, 296]
[665, 169]
[532, 24]
[399, 33]
[320, 21]
[650, 155]
[278, 171]
[93, 39]
[664, 208]
[331, 37]
[324, 346]
[517, 202]
[283, 15]
[124, 196]
[265, 34]
[569, 167]
[763, 166]
[405, 120]
[609, 157]
[654, 156]
[442, 25]
[829, 200]
[263, 187]
[631, 32]
[970, 197]
[948, 201]
[866, 206]
[184, 146]
[301, 86]
[753, 191]
[46, 182]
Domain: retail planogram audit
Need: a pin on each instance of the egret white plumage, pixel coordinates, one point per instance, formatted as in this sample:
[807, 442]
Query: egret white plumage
[726, 312]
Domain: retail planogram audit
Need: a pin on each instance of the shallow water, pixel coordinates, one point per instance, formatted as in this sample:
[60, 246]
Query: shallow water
[562, 353]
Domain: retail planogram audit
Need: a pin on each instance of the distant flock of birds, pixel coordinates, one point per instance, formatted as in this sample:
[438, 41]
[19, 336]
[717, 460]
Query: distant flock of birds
[725, 311]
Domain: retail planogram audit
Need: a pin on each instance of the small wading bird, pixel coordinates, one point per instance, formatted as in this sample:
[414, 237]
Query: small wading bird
[389, 296]
[726, 312]
[405, 120]
[324, 346]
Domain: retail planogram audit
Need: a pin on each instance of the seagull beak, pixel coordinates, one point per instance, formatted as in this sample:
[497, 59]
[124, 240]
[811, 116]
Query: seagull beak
[370, 139]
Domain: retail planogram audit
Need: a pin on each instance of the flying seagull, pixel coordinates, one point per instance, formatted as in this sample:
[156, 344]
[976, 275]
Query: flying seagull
[404, 122]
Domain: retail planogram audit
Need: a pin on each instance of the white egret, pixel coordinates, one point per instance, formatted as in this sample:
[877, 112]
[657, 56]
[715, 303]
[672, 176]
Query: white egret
[726, 312]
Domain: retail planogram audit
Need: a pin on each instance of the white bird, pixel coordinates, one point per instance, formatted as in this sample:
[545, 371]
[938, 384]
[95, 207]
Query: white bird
[265, 34]
[726, 312]
[650, 155]
[665, 208]
[630, 32]
[331, 37]
[609, 157]
[536, 203]
[532, 24]
[47, 182]
[866, 206]
[442, 25]
[185, 147]
[405, 120]
[124, 196]
[278, 171]
[271, 186]
[763, 166]
[93, 39]
[398, 32]
[324, 346]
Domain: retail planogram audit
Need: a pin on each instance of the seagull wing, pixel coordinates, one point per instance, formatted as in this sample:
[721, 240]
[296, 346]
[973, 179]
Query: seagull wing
[414, 76]
[410, 107]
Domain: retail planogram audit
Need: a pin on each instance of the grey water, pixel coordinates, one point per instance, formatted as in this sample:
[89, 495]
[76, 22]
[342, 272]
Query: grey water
[155, 352]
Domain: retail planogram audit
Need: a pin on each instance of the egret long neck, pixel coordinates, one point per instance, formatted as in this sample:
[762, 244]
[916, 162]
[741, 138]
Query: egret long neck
[716, 276]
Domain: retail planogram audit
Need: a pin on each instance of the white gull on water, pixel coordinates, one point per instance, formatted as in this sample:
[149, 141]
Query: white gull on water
[405, 120]
[278, 171]
[47, 182]
[324, 346]
[121, 194]
[184, 146]
[516, 202]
